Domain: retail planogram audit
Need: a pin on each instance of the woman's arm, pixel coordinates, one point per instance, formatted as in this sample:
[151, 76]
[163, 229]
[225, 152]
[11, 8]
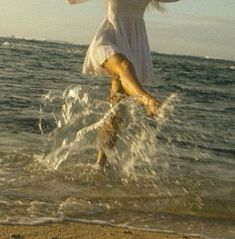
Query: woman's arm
[81, 1]
[75, 1]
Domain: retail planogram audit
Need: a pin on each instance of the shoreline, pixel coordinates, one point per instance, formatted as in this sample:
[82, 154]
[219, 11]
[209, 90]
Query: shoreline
[74, 230]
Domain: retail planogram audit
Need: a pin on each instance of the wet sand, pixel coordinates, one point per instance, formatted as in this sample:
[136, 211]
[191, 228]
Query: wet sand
[69, 230]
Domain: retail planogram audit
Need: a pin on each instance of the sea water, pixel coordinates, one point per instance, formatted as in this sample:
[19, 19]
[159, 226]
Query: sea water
[174, 172]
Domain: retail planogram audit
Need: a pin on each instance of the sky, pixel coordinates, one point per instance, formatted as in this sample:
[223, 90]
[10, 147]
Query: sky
[187, 27]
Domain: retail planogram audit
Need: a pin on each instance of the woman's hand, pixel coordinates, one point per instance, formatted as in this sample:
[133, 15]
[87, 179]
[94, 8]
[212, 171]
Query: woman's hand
[71, 1]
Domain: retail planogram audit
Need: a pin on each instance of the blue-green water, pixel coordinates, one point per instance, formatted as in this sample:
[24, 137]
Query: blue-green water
[174, 173]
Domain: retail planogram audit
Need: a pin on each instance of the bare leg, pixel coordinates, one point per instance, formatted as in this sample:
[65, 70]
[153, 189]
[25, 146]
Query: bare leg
[124, 81]
[108, 133]
[120, 66]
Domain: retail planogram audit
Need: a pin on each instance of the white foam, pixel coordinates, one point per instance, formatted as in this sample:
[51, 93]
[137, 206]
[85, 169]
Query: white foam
[6, 43]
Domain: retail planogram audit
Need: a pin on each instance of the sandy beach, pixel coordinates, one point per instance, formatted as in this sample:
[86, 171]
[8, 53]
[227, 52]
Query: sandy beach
[69, 230]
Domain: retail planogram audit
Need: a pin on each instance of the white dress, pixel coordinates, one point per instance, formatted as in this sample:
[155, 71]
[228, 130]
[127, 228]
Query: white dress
[122, 31]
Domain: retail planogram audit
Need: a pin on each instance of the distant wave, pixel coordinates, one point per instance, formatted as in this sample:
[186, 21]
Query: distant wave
[39, 40]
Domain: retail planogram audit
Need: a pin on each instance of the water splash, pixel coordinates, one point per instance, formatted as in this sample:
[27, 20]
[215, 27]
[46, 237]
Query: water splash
[77, 117]
[144, 156]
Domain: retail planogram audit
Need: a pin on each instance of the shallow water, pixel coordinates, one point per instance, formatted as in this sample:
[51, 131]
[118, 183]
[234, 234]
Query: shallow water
[173, 173]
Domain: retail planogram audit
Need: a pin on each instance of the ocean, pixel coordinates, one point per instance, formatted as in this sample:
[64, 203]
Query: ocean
[174, 172]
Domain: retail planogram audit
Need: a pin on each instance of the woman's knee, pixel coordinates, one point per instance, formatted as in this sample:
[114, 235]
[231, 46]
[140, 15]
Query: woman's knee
[125, 66]
[118, 64]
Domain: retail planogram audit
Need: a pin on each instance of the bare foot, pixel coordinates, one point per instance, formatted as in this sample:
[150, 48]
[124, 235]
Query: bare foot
[152, 106]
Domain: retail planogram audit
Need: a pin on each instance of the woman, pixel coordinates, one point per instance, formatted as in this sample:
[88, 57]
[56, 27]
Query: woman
[120, 48]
